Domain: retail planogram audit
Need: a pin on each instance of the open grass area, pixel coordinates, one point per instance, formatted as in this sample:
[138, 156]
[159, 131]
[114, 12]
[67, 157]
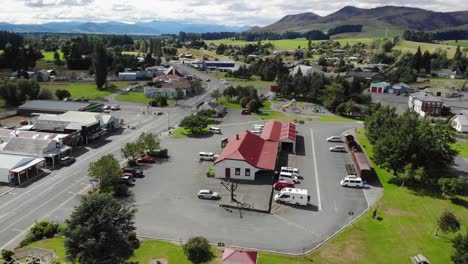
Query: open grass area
[135, 97]
[134, 53]
[462, 147]
[230, 104]
[49, 55]
[461, 43]
[148, 250]
[335, 118]
[181, 132]
[255, 81]
[411, 46]
[86, 90]
[440, 83]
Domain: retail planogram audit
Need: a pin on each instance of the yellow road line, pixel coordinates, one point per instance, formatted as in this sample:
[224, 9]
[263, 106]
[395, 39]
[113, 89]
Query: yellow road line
[291, 223]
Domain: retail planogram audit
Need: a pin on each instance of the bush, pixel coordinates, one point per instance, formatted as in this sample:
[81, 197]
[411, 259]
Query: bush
[153, 103]
[197, 250]
[211, 172]
[159, 154]
[7, 254]
[206, 112]
[132, 163]
[121, 190]
[45, 94]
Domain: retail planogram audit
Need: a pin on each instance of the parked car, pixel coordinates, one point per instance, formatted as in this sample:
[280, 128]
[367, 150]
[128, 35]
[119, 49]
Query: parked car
[334, 139]
[292, 170]
[66, 161]
[338, 149]
[207, 194]
[24, 122]
[146, 159]
[115, 107]
[160, 113]
[209, 156]
[135, 172]
[257, 132]
[126, 179]
[283, 184]
[293, 196]
[106, 107]
[215, 130]
[351, 181]
[245, 112]
[208, 80]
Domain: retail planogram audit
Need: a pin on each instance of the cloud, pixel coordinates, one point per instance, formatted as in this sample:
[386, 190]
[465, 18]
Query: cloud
[123, 7]
[46, 3]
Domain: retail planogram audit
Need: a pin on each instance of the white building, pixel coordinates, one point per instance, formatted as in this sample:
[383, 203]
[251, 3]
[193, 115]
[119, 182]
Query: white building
[425, 104]
[460, 123]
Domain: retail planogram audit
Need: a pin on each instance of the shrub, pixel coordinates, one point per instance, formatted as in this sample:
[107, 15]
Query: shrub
[7, 254]
[45, 94]
[197, 250]
[132, 163]
[211, 172]
[153, 103]
[121, 190]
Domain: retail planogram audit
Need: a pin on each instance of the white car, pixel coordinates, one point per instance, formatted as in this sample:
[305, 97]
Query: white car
[338, 149]
[207, 194]
[334, 139]
[257, 132]
[292, 170]
[258, 126]
[106, 107]
[351, 181]
[115, 107]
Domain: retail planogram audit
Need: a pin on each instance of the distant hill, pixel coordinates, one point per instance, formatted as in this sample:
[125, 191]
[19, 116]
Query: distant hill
[391, 17]
[154, 27]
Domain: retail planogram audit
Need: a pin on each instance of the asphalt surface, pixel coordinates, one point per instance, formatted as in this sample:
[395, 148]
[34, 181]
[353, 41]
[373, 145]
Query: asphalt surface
[55, 195]
[168, 207]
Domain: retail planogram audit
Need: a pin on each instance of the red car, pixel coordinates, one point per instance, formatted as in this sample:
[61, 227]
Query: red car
[146, 159]
[245, 112]
[283, 184]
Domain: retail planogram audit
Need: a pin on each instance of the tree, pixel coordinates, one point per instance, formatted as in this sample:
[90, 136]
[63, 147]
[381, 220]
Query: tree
[244, 101]
[252, 105]
[163, 101]
[150, 141]
[100, 230]
[133, 150]
[194, 123]
[7, 254]
[62, 94]
[426, 62]
[106, 170]
[333, 96]
[460, 243]
[230, 92]
[451, 186]
[216, 94]
[197, 249]
[100, 64]
[45, 94]
[447, 222]
[57, 60]
[206, 112]
[418, 60]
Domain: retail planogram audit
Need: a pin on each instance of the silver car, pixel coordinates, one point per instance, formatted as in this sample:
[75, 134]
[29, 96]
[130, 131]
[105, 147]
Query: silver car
[338, 149]
[207, 194]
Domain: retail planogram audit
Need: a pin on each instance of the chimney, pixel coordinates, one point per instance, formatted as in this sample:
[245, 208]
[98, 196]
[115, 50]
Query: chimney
[237, 136]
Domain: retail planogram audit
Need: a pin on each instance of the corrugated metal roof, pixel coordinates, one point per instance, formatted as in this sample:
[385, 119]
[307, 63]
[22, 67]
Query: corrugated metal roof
[236, 256]
[277, 131]
[26, 146]
[53, 105]
[251, 149]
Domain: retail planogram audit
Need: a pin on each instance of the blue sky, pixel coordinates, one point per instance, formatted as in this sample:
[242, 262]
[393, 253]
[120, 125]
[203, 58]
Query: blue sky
[228, 12]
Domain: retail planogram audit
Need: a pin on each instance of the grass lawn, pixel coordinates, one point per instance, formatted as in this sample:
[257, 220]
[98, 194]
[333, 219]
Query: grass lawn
[462, 147]
[148, 250]
[440, 83]
[55, 244]
[135, 97]
[412, 47]
[230, 104]
[329, 118]
[461, 43]
[49, 55]
[86, 90]
[181, 132]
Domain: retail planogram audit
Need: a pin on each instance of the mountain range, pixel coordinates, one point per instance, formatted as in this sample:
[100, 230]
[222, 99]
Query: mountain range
[391, 17]
[155, 27]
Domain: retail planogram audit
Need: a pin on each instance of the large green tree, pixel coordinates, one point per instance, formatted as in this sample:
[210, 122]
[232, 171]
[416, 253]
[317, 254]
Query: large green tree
[460, 243]
[106, 170]
[100, 64]
[447, 222]
[150, 141]
[194, 123]
[133, 150]
[334, 95]
[197, 249]
[100, 230]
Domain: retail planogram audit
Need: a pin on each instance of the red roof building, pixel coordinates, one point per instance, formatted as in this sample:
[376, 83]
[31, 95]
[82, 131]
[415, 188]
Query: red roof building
[167, 77]
[239, 256]
[246, 154]
[285, 133]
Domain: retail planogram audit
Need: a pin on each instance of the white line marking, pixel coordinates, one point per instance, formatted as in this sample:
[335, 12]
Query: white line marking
[316, 171]
[365, 195]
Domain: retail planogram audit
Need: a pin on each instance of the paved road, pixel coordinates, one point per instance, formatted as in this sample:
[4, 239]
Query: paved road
[54, 196]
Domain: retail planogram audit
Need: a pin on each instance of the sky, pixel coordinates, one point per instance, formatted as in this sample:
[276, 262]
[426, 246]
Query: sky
[227, 12]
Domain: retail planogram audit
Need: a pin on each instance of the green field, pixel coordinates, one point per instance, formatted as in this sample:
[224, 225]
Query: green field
[461, 43]
[412, 46]
[83, 90]
[440, 83]
[462, 147]
[148, 250]
[49, 55]
[255, 81]
[334, 118]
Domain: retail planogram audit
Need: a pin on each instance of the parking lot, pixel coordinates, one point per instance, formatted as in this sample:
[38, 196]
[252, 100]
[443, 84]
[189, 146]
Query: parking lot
[169, 208]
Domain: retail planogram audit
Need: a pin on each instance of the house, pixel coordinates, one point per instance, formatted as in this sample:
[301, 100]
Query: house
[283, 133]
[173, 71]
[442, 73]
[445, 92]
[239, 256]
[156, 70]
[372, 76]
[305, 70]
[457, 74]
[219, 108]
[424, 104]
[460, 123]
[245, 155]
[42, 76]
[380, 87]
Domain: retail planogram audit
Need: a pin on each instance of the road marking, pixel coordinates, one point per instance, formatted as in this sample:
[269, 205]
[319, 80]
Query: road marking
[276, 208]
[365, 195]
[336, 208]
[316, 170]
[18, 230]
[291, 223]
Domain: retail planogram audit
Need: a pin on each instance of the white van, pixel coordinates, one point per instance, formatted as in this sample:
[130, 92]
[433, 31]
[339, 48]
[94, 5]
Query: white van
[293, 196]
[257, 132]
[215, 130]
[289, 177]
[351, 181]
[207, 156]
[258, 126]
[292, 170]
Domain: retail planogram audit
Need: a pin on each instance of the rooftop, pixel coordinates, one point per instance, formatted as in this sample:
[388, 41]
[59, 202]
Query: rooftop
[424, 96]
[54, 105]
[239, 256]
[277, 131]
[252, 149]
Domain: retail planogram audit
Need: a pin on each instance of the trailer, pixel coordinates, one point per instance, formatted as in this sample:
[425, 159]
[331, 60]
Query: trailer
[363, 169]
[293, 196]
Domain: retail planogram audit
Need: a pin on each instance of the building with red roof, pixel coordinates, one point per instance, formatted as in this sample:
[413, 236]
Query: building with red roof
[246, 154]
[284, 133]
[239, 256]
